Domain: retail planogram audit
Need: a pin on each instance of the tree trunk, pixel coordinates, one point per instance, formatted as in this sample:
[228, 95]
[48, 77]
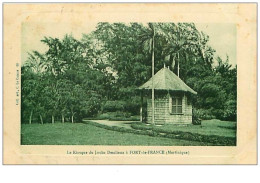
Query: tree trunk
[141, 108]
[153, 79]
[201, 52]
[52, 119]
[41, 119]
[72, 118]
[62, 118]
[171, 62]
[30, 119]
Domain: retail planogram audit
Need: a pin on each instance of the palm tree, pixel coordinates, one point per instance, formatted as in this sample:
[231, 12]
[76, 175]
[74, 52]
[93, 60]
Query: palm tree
[176, 43]
[148, 37]
[183, 38]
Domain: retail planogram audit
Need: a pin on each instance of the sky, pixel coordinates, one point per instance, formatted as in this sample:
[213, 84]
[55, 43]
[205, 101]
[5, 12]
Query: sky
[222, 37]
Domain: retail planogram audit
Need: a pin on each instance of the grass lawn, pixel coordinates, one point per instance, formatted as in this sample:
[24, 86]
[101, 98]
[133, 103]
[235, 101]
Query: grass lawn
[87, 134]
[220, 133]
[207, 127]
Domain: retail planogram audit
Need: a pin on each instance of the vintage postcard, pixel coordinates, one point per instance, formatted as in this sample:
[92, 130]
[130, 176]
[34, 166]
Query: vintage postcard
[130, 83]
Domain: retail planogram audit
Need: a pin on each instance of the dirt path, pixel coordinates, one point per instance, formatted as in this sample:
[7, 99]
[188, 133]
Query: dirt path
[124, 124]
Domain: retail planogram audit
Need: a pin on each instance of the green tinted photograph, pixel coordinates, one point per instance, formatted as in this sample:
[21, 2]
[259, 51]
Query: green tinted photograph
[129, 84]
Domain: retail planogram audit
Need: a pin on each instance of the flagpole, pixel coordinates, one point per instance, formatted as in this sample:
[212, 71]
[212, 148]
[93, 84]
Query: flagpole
[153, 78]
[178, 57]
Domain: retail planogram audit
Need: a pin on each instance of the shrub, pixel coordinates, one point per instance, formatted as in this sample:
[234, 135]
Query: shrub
[205, 114]
[132, 118]
[195, 119]
[122, 114]
[104, 115]
[230, 110]
[116, 116]
[135, 118]
[113, 106]
[133, 105]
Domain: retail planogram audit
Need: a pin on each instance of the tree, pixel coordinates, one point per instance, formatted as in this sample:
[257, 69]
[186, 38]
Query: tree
[75, 78]
[29, 81]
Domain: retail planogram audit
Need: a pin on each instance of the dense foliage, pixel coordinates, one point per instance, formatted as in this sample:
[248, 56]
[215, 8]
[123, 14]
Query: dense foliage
[100, 73]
